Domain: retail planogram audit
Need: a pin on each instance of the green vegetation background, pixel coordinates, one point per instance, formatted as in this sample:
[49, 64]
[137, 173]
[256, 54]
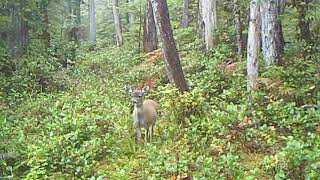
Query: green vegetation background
[61, 122]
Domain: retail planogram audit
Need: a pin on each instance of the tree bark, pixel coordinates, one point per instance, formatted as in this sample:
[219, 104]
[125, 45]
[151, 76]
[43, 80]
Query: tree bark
[281, 4]
[74, 32]
[45, 16]
[272, 36]
[207, 21]
[185, 14]
[131, 15]
[304, 26]
[18, 36]
[76, 11]
[171, 56]
[303, 22]
[200, 22]
[150, 30]
[92, 23]
[238, 27]
[253, 45]
[117, 23]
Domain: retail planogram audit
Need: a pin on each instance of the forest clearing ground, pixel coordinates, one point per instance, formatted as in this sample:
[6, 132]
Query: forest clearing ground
[88, 127]
[130, 157]
[133, 160]
[243, 102]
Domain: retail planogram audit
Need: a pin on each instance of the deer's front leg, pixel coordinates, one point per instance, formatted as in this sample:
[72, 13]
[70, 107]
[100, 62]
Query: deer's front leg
[138, 134]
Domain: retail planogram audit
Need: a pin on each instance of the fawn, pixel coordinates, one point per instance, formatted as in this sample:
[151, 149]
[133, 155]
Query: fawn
[144, 112]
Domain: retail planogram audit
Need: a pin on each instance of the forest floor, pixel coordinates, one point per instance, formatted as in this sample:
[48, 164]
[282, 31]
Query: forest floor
[86, 130]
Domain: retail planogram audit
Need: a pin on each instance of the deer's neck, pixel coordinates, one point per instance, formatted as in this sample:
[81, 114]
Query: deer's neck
[138, 108]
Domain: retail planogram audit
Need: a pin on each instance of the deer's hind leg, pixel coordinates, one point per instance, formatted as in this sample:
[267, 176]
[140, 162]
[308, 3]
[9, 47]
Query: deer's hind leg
[151, 132]
[146, 134]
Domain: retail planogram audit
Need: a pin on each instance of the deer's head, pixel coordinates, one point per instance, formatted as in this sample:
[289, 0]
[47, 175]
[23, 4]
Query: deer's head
[137, 95]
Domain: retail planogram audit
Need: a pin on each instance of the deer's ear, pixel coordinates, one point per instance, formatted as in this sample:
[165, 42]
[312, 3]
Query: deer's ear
[145, 89]
[128, 89]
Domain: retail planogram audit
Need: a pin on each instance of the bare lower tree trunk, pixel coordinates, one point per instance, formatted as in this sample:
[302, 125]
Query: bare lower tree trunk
[117, 23]
[128, 14]
[74, 31]
[157, 27]
[208, 21]
[131, 15]
[171, 56]
[92, 23]
[281, 4]
[45, 31]
[272, 36]
[304, 27]
[141, 26]
[238, 27]
[185, 14]
[76, 12]
[303, 22]
[215, 18]
[200, 22]
[253, 45]
[150, 30]
[19, 32]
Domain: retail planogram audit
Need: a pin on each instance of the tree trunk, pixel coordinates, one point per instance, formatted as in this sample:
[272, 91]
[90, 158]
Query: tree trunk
[171, 56]
[207, 21]
[304, 27]
[76, 12]
[66, 20]
[74, 32]
[200, 23]
[130, 18]
[272, 36]
[45, 32]
[131, 14]
[142, 19]
[281, 4]
[92, 23]
[185, 14]
[117, 23]
[253, 45]
[238, 27]
[150, 30]
[303, 23]
[128, 14]
[19, 32]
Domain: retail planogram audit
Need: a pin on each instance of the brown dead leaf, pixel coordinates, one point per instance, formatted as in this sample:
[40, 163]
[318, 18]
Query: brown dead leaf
[173, 177]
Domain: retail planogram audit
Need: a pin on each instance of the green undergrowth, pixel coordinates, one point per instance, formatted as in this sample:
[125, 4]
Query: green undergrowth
[215, 131]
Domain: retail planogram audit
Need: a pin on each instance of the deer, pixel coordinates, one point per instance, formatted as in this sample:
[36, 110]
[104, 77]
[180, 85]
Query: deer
[144, 112]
